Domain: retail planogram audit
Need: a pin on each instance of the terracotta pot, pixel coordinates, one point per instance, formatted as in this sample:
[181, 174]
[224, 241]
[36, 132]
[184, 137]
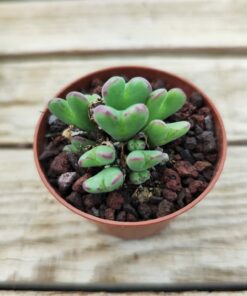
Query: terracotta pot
[132, 230]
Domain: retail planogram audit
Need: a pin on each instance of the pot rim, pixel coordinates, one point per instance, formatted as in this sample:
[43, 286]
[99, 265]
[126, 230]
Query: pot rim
[219, 168]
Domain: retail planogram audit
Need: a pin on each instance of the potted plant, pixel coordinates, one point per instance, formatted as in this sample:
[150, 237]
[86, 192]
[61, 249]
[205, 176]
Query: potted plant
[130, 148]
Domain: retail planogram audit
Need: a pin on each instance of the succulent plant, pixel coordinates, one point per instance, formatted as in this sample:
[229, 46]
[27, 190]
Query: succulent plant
[129, 117]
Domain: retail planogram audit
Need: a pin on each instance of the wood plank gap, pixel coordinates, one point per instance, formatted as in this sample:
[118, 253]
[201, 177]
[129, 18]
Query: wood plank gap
[238, 51]
[69, 287]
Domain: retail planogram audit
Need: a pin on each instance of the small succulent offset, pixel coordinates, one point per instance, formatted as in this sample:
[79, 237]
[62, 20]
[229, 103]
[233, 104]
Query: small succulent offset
[131, 115]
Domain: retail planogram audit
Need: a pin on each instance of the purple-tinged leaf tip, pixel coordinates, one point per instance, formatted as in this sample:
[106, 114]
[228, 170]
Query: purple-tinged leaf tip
[116, 179]
[105, 155]
[77, 95]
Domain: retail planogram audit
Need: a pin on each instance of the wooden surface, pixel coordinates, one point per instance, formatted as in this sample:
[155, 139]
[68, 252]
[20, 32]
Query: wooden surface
[45, 45]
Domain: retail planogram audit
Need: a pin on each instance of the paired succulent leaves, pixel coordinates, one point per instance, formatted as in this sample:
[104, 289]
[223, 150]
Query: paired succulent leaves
[125, 110]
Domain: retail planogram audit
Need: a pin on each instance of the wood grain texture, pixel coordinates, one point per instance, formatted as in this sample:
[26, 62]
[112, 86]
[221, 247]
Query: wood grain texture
[87, 26]
[30, 293]
[41, 241]
[26, 86]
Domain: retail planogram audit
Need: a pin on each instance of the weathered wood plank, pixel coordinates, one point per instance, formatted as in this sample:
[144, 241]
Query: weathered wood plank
[27, 85]
[87, 26]
[41, 241]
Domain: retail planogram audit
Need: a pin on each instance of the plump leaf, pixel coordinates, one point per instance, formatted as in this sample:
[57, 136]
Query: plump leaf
[162, 104]
[60, 108]
[136, 144]
[160, 133]
[138, 178]
[120, 95]
[121, 125]
[79, 107]
[78, 144]
[141, 160]
[98, 156]
[107, 180]
[73, 110]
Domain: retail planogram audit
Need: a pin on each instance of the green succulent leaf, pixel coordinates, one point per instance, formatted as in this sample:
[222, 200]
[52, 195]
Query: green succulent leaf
[92, 98]
[121, 125]
[160, 133]
[60, 108]
[73, 110]
[141, 160]
[79, 107]
[162, 104]
[136, 144]
[138, 178]
[107, 180]
[120, 95]
[98, 156]
[78, 144]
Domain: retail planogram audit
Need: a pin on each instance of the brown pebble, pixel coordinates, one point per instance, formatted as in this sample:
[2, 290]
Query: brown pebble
[114, 200]
[169, 195]
[188, 196]
[121, 216]
[60, 165]
[197, 186]
[131, 218]
[144, 211]
[165, 208]
[202, 165]
[77, 186]
[211, 157]
[75, 199]
[172, 180]
[109, 214]
[91, 200]
[66, 180]
[185, 169]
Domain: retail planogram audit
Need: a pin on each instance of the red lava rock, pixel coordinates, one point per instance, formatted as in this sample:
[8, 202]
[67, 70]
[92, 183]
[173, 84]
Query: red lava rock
[177, 157]
[211, 157]
[91, 200]
[199, 119]
[202, 165]
[157, 84]
[121, 216]
[172, 180]
[198, 156]
[77, 186]
[154, 210]
[131, 218]
[186, 111]
[209, 123]
[66, 180]
[208, 174]
[169, 195]
[60, 165]
[155, 199]
[144, 211]
[196, 99]
[198, 129]
[114, 200]
[209, 143]
[109, 214]
[185, 169]
[75, 199]
[165, 208]
[186, 155]
[197, 186]
[190, 143]
[94, 212]
[204, 111]
[188, 196]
